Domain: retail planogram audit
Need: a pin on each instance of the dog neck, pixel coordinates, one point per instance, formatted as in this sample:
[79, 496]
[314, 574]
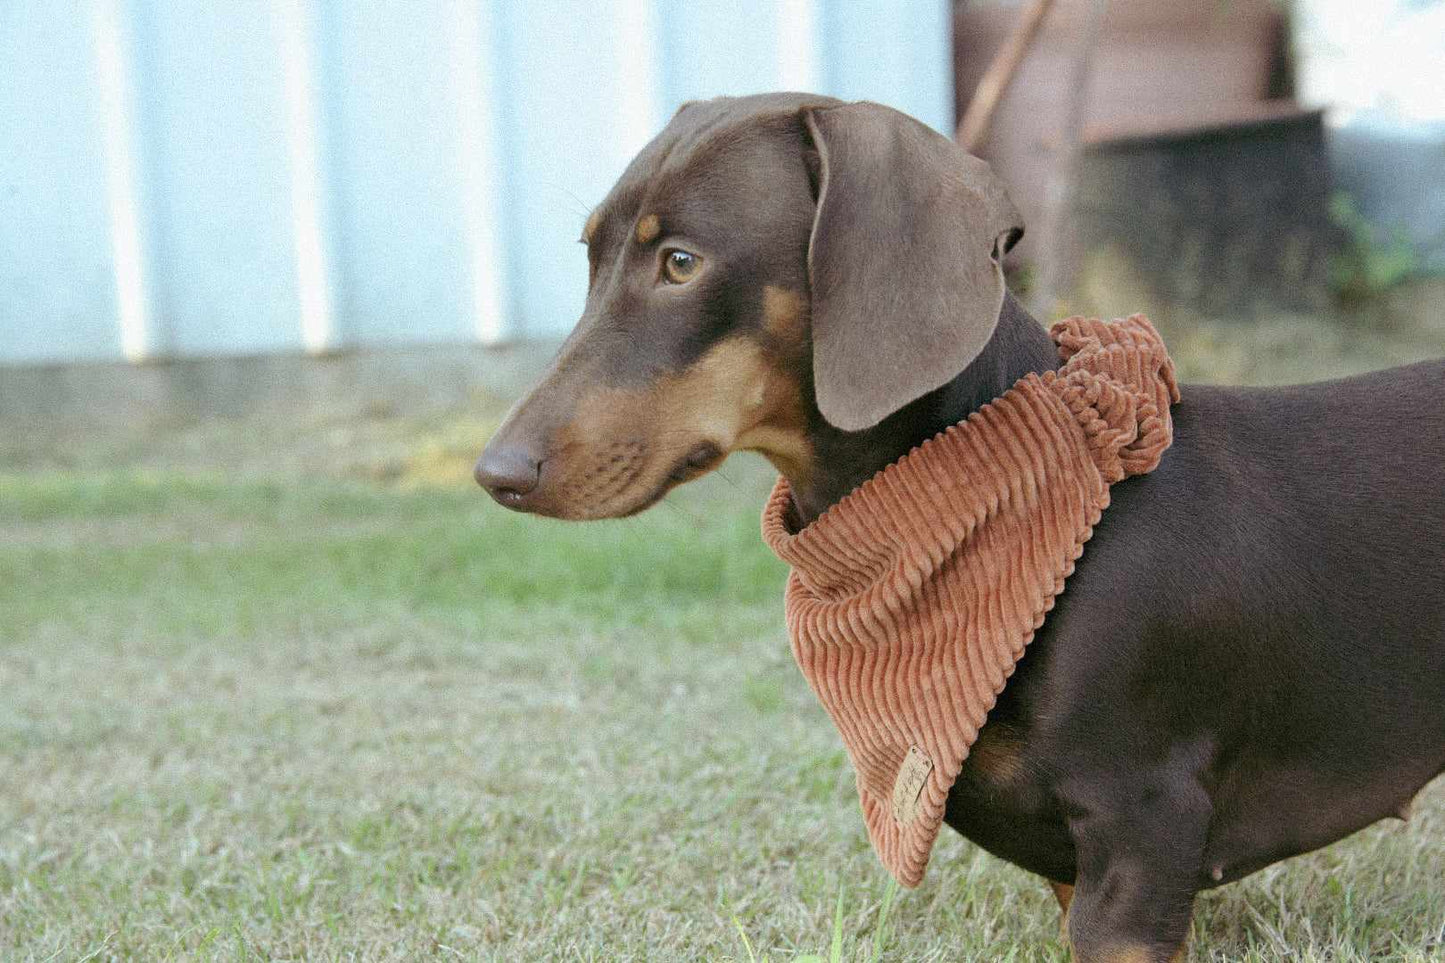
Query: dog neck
[844, 460]
[975, 530]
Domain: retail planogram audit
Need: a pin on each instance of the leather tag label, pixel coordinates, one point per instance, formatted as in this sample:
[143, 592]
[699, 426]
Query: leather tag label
[909, 786]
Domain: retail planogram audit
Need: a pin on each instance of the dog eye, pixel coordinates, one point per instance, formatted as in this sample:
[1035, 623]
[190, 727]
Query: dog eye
[679, 266]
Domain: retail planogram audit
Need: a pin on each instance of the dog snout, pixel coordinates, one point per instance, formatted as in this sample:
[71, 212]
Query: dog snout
[509, 473]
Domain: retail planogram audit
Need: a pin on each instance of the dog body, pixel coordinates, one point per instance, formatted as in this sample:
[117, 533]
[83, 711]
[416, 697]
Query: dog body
[1248, 662]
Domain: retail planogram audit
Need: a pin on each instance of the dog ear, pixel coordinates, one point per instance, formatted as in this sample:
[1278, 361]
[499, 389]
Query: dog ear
[903, 260]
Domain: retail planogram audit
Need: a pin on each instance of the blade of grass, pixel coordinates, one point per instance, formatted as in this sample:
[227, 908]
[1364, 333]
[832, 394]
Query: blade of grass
[835, 953]
[881, 931]
[746, 944]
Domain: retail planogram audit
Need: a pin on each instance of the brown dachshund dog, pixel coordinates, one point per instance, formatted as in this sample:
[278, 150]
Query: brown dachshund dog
[1249, 661]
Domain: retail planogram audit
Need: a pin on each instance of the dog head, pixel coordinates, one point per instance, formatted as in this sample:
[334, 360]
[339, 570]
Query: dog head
[767, 268]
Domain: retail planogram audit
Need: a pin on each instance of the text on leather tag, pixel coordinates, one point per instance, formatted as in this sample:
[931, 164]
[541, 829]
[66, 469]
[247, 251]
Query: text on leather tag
[909, 785]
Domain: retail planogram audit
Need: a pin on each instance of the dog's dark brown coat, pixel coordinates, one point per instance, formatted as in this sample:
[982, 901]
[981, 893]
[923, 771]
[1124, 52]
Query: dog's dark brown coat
[1250, 659]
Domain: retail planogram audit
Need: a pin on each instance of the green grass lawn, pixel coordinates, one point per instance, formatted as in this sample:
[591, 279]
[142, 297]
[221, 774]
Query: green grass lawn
[298, 718]
[292, 688]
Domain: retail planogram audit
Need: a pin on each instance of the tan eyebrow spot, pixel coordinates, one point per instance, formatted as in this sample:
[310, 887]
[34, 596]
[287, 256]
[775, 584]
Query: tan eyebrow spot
[589, 230]
[648, 228]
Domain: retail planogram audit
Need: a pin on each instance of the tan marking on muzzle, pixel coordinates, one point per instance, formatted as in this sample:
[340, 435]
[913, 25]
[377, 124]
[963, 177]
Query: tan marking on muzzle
[622, 443]
[589, 230]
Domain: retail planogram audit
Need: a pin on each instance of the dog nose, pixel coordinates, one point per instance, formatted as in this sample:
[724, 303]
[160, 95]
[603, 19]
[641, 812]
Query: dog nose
[508, 474]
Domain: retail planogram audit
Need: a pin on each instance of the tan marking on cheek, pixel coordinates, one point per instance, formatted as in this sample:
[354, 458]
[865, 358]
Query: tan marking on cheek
[785, 314]
[779, 431]
[589, 230]
[622, 442]
[733, 398]
[771, 420]
[648, 228]
[789, 451]
[713, 396]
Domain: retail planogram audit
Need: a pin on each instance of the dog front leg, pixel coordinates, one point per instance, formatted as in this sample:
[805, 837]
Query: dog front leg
[1138, 871]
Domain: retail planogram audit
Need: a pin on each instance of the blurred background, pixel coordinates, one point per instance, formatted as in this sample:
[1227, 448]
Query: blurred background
[188, 181]
[277, 681]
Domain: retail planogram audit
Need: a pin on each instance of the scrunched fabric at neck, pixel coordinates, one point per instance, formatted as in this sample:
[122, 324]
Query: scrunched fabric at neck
[911, 600]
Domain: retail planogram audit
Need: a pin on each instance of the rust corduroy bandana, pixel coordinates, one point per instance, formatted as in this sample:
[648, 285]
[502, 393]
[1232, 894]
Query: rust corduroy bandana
[911, 600]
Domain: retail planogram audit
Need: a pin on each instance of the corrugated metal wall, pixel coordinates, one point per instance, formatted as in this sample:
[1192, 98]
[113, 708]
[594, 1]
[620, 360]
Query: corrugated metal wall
[191, 177]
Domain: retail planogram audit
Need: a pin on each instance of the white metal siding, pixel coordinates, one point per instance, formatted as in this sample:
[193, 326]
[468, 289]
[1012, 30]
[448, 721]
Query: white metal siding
[180, 177]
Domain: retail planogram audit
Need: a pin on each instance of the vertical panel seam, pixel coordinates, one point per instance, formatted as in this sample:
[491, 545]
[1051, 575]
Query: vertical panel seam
[639, 103]
[799, 45]
[474, 81]
[140, 339]
[319, 332]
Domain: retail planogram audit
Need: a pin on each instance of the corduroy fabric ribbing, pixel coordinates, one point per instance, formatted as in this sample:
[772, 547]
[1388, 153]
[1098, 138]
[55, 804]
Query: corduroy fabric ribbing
[910, 601]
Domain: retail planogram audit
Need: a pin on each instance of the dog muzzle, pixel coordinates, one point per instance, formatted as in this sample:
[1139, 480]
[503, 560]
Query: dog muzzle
[911, 600]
